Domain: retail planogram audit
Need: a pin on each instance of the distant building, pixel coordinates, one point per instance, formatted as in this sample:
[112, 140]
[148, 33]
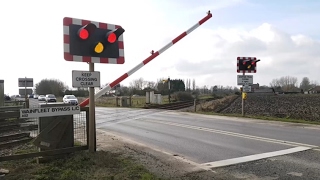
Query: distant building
[255, 86]
[314, 90]
[265, 90]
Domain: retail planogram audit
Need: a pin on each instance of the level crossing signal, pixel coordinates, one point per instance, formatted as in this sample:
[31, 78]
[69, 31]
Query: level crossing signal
[247, 64]
[91, 41]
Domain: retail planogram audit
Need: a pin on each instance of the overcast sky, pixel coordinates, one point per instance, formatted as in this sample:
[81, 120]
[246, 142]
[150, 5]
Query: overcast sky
[283, 34]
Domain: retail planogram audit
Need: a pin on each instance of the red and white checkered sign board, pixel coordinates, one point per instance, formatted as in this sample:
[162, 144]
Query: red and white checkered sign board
[246, 71]
[67, 21]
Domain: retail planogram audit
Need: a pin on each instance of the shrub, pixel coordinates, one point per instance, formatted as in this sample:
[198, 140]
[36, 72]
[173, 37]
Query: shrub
[183, 96]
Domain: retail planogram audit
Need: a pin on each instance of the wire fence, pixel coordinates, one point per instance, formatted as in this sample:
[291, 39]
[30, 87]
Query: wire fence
[17, 135]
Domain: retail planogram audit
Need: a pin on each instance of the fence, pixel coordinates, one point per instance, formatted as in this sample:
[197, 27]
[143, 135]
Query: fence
[14, 103]
[18, 137]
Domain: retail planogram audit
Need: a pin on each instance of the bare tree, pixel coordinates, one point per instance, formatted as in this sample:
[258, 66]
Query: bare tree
[204, 89]
[305, 83]
[275, 83]
[138, 84]
[194, 85]
[314, 83]
[286, 83]
[187, 83]
[150, 84]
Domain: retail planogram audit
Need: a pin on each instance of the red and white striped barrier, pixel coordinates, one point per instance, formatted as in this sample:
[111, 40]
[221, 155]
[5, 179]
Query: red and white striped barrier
[146, 61]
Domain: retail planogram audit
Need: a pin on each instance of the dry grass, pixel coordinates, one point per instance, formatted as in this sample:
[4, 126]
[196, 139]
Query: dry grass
[78, 166]
[213, 106]
[216, 105]
[299, 106]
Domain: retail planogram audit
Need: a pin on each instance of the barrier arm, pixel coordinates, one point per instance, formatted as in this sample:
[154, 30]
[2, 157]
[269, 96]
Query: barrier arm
[146, 61]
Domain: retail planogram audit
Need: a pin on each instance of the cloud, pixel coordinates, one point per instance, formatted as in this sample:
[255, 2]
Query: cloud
[33, 42]
[281, 54]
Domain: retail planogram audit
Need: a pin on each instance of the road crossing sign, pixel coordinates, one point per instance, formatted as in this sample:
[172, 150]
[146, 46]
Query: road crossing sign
[246, 88]
[245, 79]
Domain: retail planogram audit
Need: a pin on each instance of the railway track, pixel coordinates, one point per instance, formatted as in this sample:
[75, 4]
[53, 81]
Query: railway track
[13, 134]
[13, 131]
[14, 139]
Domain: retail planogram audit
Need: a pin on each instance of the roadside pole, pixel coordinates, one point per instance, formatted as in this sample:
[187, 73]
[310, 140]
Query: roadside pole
[169, 84]
[25, 93]
[243, 103]
[91, 42]
[92, 121]
[246, 65]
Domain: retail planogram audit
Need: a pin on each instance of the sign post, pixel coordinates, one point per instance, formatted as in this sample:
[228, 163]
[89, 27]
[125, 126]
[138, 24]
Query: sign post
[92, 122]
[1, 92]
[91, 42]
[246, 88]
[246, 65]
[245, 79]
[25, 82]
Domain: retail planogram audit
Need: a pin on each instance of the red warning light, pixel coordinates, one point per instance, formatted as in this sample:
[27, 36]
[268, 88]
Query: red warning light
[83, 34]
[253, 62]
[112, 37]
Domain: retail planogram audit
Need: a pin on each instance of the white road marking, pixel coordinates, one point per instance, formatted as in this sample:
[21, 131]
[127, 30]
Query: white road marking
[289, 143]
[255, 157]
[245, 119]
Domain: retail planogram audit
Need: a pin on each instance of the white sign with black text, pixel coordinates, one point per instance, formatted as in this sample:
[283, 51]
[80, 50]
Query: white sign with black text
[85, 79]
[246, 88]
[245, 79]
[49, 111]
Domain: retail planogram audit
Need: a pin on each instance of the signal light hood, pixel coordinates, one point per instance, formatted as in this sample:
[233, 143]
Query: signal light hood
[117, 32]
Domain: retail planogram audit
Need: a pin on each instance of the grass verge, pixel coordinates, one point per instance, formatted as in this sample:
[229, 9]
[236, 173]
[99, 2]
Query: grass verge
[263, 118]
[78, 166]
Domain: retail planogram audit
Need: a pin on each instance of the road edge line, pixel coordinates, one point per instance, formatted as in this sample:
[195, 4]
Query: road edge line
[233, 161]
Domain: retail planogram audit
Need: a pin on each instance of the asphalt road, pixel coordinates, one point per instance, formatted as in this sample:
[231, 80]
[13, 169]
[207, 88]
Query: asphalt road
[240, 148]
[203, 138]
[285, 150]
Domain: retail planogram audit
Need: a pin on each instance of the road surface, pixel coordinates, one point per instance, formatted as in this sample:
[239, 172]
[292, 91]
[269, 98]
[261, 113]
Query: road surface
[287, 149]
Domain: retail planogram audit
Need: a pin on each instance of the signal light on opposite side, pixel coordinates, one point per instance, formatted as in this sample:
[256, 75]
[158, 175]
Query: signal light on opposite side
[112, 36]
